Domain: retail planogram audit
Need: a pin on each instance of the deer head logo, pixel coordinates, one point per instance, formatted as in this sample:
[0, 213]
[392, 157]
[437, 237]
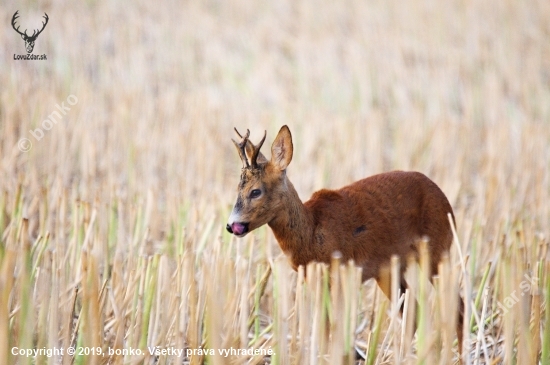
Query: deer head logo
[29, 40]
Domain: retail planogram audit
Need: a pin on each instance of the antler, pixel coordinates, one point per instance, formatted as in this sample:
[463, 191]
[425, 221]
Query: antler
[257, 151]
[34, 34]
[43, 26]
[13, 19]
[256, 148]
[242, 145]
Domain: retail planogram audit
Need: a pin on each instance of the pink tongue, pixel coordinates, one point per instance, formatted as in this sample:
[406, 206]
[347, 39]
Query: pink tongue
[237, 228]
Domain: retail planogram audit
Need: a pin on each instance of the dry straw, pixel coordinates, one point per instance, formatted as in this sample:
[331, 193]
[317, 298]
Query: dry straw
[111, 225]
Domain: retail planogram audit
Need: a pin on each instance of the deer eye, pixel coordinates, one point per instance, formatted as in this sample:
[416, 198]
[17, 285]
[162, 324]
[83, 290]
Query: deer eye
[255, 193]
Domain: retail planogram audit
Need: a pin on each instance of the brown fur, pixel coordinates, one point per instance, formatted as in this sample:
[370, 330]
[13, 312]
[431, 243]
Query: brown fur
[394, 209]
[367, 221]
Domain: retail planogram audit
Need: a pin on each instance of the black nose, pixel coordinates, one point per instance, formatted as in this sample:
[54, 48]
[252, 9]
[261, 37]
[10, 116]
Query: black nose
[228, 227]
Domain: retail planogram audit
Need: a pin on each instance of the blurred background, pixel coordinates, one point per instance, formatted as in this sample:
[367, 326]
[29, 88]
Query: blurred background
[458, 89]
[442, 87]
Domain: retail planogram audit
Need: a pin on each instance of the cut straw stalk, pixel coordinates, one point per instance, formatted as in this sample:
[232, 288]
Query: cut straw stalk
[375, 336]
[25, 320]
[337, 318]
[44, 291]
[281, 306]
[395, 307]
[7, 266]
[545, 357]
[425, 336]
[448, 307]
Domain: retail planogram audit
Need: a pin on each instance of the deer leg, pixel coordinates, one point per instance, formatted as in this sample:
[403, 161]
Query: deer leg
[460, 323]
[384, 280]
[384, 283]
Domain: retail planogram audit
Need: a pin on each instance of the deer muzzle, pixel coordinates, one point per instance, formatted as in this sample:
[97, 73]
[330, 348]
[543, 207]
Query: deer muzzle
[237, 228]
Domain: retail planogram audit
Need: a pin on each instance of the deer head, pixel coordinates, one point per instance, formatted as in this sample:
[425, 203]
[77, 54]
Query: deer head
[29, 40]
[263, 182]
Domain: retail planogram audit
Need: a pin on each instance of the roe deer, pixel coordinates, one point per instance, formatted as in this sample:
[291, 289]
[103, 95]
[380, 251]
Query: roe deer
[367, 221]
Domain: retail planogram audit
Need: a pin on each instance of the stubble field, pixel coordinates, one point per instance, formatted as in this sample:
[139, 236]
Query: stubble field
[117, 176]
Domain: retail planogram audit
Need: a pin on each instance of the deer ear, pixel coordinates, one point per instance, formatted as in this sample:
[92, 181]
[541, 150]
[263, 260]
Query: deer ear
[281, 149]
[250, 150]
[23, 36]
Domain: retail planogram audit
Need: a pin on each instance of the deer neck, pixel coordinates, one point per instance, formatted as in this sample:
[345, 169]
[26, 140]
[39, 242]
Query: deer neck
[293, 226]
